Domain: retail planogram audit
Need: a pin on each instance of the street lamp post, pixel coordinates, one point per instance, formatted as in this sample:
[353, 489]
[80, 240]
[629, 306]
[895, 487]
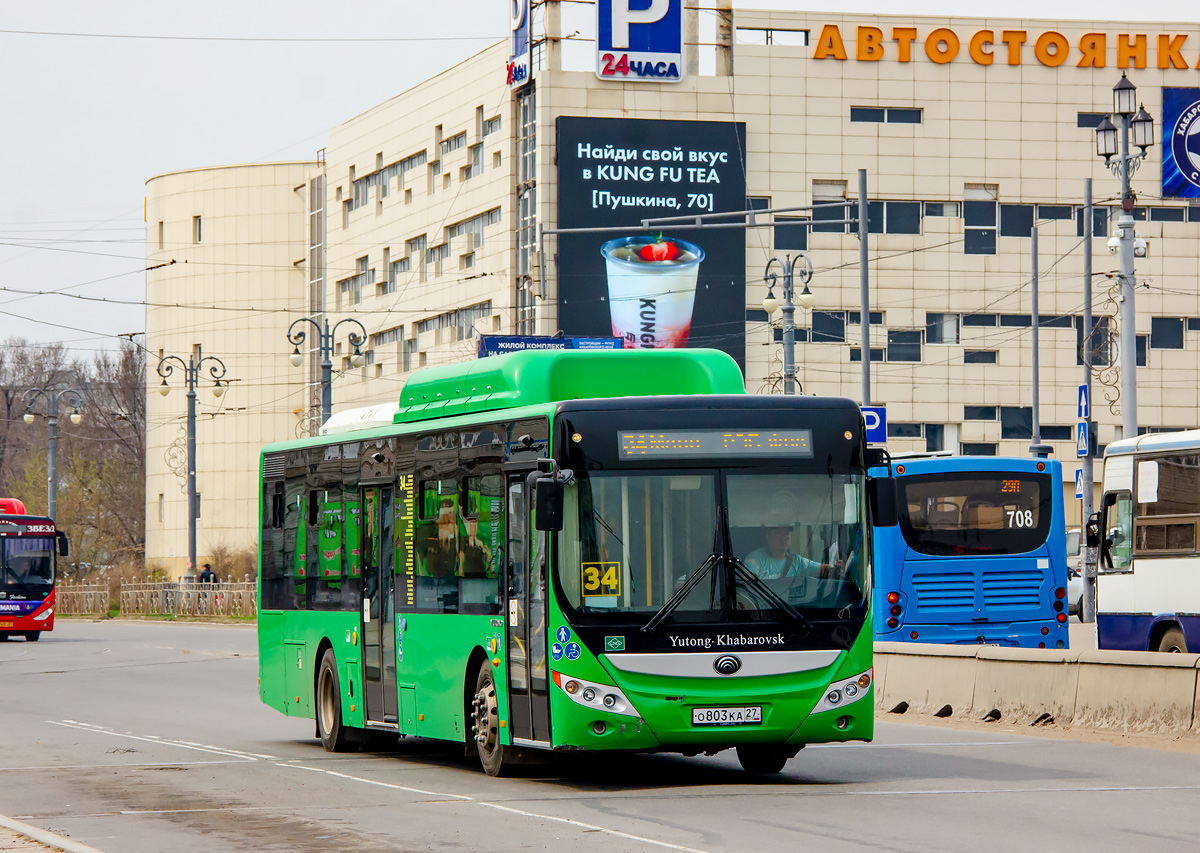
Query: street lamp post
[74, 399]
[191, 374]
[1124, 240]
[805, 299]
[325, 337]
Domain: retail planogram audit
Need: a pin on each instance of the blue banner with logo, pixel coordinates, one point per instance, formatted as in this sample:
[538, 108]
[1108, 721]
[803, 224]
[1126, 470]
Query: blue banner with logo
[1181, 143]
[501, 344]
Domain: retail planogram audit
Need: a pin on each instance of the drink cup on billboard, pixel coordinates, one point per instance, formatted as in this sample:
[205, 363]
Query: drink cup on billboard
[651, 289]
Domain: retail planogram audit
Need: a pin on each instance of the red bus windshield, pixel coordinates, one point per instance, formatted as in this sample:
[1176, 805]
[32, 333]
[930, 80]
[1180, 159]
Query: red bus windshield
[26, 564]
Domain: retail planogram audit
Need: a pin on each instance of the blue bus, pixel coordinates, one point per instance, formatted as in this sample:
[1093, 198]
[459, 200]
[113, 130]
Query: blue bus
[979, 555]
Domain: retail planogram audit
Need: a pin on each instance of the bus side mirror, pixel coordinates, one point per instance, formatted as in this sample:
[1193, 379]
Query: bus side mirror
[1092, 531]
[548, 504]
[63, 549]
[881, 496]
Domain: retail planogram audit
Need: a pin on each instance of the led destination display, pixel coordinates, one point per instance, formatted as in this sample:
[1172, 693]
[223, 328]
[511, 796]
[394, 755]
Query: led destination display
[693, 443]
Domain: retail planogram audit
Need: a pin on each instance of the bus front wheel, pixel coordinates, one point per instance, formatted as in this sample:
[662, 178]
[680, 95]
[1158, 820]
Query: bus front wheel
[761, 759]
[1173, 641]
[329, 706]
[485, 723]
[33, 636]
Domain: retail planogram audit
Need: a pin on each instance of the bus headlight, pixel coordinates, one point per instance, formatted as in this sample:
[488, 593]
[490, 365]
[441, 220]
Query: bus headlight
[44, 615]
[590, 694]
[842, 693]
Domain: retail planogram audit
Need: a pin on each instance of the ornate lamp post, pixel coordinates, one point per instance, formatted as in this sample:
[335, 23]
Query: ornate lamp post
[805, 299]
[296, 337]
[74, 399]
[191, 375]
[1124, 241]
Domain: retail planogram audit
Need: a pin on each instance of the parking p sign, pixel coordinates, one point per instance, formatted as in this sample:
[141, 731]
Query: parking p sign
[875, 420]
[639, 44]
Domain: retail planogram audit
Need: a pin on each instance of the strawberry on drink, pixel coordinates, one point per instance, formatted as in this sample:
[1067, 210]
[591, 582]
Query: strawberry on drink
[661, 250]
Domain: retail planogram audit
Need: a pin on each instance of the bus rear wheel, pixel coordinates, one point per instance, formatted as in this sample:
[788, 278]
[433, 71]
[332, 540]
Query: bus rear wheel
[485, 723]
[329, 706]
[760, 759]
[34, 636]
[1173, 641]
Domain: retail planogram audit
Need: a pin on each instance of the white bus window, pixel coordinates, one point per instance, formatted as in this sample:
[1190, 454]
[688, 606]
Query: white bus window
[1118, 532]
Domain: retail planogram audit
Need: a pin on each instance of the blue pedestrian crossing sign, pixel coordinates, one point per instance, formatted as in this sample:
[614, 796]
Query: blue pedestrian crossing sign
[1081, 439]
[1085, 404]
[1079, 484]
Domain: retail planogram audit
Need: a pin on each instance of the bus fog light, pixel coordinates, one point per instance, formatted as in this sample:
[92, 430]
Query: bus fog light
[571, 687]
[589, 694]
[843, 723]
[599, 727]
[610, 700]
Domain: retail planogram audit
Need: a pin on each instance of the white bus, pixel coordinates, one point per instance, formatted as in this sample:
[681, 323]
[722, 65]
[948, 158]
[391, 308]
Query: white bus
[1148, 585]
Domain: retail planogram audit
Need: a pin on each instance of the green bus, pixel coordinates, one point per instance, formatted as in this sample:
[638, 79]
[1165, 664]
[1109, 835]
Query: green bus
[577, 550]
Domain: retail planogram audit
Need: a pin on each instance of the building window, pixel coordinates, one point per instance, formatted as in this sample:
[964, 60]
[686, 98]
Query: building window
[979, 356]
[978, 448]
[1166, 332]
[161, 233]
[492, 125]
[825, 192]
[1054, 211]
[763, 36]
[856, 354]
[1090, 120]
[416, 250]
[435, 169]
[1016, 220]
[1141, 350]
[1099, 344]
[979, 232]
[1167, 214]
[828, 327]
[1193, 212]
[891, 217]
[1057, 433]
[455, 142]
[935, 437]
[1055, 321]
[1099, 221]
[942, 208]
[979, 320]
[1017, 321]
[525, 319]
[904, 346]
[979, 413]
[197, 230]
[474, 167]
[1016, 422]
[1193, 324]
[941, 328]
[198, 496]
[791, 233]
[162, 508]
[895, 430]
[886, 115]
[410, 346]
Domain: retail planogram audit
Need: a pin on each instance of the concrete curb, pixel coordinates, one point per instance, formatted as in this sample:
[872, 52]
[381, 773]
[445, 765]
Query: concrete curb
[1128, 692]
[43, 837]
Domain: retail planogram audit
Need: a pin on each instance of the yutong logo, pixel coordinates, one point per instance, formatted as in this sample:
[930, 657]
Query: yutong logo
[727, 664]
[724, 641]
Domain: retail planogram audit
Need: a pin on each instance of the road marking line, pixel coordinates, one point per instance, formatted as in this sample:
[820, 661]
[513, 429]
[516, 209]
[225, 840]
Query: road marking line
[592, 827]
[120, 766]
[232, 753]
[58, 842]
[535, 815]
[1064, 790]
[376, 782]
[939, 744]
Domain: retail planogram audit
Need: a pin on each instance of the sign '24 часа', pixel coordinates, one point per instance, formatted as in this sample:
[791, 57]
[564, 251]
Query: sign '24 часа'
[639, 44]
[1006, 47]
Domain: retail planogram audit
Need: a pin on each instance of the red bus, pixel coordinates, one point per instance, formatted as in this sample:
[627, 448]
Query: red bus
[29, 550]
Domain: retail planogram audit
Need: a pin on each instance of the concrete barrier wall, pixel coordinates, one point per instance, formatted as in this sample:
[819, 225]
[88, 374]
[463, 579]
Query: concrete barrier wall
[1142, 692]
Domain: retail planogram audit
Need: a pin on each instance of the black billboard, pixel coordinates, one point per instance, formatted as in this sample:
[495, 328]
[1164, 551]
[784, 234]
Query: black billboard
[669, 287]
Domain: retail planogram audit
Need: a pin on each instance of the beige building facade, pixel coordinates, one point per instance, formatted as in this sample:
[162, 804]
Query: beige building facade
[421, 223]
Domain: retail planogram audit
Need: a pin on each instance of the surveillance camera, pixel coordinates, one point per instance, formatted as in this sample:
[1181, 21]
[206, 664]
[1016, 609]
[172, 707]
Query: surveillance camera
[1114, 245]
[1140, 249]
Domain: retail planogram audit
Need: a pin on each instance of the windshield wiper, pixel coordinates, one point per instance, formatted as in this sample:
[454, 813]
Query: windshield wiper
[755, 582]
[681, 593]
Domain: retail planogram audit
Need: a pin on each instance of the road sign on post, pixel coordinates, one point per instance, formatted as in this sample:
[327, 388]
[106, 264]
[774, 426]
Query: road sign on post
[1085, 404]
[875, 418]
[1079, 484]
[1081, 439]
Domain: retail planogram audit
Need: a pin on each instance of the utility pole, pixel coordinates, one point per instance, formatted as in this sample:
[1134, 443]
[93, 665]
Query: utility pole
[1036, 447]
[325, 338]
[1090, 555]
[864, 296]
[74, 400]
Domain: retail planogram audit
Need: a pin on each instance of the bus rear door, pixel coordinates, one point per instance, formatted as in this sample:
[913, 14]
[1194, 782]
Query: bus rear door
[525, 616]
[378, 610]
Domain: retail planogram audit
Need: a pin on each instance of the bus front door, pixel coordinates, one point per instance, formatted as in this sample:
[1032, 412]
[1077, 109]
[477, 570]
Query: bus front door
[528, 677]
[378, 606]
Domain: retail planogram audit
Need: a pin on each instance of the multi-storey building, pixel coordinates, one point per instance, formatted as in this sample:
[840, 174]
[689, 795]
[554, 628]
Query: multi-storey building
[424, 225]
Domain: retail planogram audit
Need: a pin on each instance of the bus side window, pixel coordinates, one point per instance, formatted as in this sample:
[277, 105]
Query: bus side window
[1117, 549]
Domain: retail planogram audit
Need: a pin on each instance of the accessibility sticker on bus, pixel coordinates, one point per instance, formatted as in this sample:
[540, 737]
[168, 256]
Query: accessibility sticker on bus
[600, 578]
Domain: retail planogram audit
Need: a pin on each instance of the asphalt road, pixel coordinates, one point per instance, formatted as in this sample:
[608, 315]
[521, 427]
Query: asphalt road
[150, 737]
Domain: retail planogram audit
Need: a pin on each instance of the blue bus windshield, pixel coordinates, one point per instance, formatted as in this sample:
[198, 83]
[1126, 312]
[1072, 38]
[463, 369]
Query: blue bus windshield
[980, 512]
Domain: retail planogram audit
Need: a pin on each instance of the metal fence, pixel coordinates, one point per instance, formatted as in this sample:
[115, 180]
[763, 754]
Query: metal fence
[160, 599]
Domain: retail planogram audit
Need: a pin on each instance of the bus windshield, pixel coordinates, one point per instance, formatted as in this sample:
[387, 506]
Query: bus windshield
[631, 541]
[26, 564]
[976, 513]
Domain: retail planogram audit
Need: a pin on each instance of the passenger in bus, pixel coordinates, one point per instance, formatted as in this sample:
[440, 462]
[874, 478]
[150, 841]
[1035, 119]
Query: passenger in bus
[474, 558]
[775, 558]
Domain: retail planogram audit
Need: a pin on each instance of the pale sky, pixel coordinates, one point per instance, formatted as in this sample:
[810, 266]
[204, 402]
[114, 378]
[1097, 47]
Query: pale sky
[88, 119]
